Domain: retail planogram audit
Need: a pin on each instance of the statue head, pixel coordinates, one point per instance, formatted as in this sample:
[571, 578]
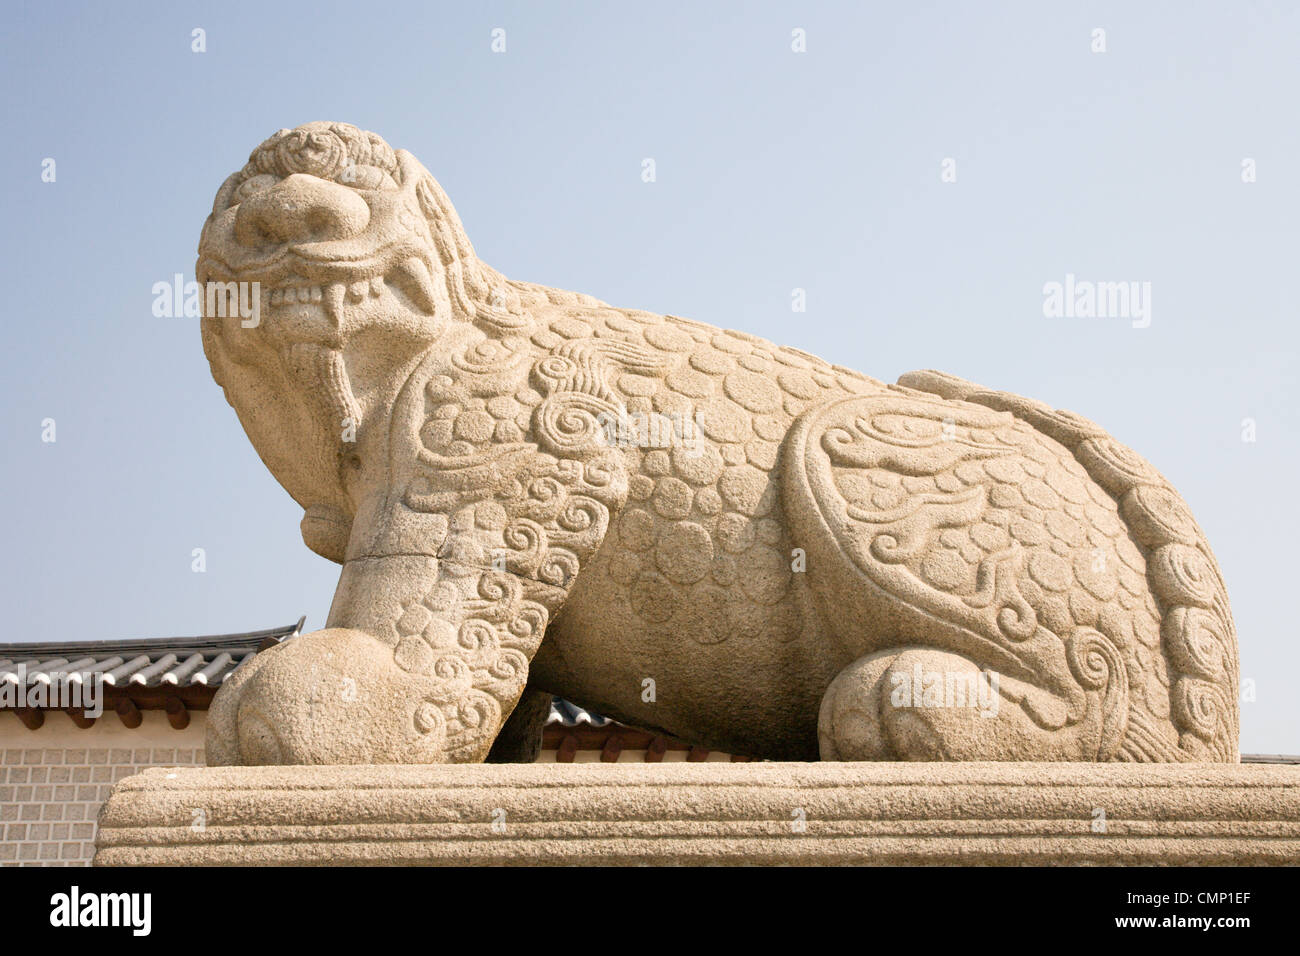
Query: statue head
[356, 264]
[342, 233]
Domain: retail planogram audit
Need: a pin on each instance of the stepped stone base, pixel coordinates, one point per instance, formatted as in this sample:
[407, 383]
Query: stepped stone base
[758, 813]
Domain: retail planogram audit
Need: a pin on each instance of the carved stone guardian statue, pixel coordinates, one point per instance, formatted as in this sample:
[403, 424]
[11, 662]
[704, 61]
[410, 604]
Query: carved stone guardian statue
[686, 528]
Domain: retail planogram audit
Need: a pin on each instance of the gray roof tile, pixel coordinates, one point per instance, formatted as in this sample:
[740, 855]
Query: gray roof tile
[168, 661]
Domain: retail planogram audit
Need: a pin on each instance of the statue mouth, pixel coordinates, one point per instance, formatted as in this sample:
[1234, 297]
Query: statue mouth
[406, 283]
[294, 292]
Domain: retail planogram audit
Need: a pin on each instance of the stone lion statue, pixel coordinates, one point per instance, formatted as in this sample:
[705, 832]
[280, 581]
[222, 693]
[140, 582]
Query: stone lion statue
[687, 528]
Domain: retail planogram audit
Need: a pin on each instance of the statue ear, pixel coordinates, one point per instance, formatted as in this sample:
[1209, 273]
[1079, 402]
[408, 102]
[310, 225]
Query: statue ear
[477, 292]
[222, 201]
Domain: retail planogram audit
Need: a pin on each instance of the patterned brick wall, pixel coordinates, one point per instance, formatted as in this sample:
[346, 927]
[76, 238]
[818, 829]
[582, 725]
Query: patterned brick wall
[53, 780]
[49, 798]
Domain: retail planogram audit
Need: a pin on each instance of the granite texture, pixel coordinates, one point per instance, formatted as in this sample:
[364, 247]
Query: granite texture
[770, 813]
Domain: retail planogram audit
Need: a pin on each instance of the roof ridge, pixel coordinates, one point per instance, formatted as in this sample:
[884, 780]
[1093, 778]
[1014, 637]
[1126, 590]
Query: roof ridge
[29, 649]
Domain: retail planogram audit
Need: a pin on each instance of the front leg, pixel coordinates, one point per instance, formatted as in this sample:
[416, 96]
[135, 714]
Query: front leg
[427, 673]
[423, 661]
[425, 654]
[461, 549]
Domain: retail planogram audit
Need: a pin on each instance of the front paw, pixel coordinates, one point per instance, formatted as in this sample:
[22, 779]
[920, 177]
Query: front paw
[331, 697]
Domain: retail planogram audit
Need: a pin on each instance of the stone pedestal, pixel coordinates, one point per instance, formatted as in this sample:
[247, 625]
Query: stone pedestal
[767, 813]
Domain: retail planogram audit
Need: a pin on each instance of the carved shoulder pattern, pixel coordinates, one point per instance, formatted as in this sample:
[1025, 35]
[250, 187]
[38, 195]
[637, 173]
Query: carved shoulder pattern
[511, 448]
[511, 462]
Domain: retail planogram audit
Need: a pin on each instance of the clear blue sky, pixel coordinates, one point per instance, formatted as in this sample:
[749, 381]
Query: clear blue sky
[775, 170]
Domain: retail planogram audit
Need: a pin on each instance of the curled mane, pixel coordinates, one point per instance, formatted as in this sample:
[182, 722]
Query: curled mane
[345, 154]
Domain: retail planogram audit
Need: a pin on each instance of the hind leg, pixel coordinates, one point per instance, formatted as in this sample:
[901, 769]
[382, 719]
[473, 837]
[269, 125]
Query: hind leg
[951, 527]
[916, 703]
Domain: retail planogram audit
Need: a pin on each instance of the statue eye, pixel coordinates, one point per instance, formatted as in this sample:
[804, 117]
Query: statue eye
[366, 177]
[251, 186]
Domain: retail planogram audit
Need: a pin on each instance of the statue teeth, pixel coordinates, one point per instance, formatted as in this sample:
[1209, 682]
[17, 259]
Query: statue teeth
[334, 300]
[412, 275]
[357, 291]
[377, 285]
[288, 295]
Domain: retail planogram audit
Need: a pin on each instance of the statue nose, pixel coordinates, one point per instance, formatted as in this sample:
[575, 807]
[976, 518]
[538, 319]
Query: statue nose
[300, 208]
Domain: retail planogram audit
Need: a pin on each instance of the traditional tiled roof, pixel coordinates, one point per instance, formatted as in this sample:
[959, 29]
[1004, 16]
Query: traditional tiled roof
[158, 662]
